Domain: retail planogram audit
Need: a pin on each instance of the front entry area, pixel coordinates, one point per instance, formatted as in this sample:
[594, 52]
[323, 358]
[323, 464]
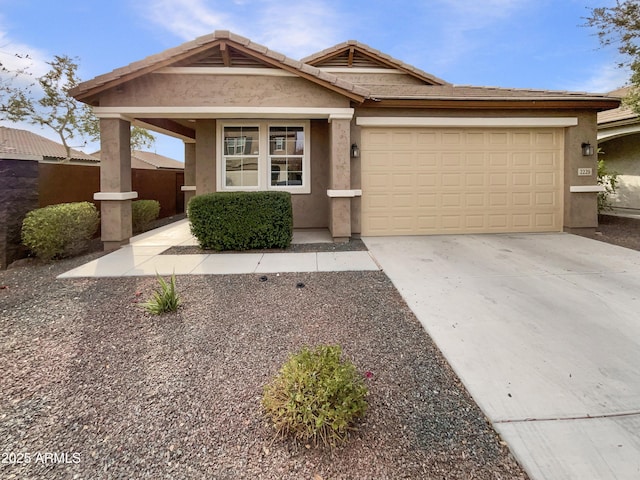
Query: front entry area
[422, 181]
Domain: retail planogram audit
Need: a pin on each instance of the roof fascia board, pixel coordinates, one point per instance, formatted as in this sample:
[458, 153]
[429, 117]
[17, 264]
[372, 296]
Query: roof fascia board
[511, 122]
[616, 132]
[507, 104]
[128, 113]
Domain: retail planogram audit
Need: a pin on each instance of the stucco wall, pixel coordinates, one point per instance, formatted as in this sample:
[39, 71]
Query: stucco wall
[580, 209]
[160, 90]
[312, 210]
[622, 155]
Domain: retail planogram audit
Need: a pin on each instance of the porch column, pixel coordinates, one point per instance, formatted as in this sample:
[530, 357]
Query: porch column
[340, 179]
[115, 182]
[205, 181]
[189, 187]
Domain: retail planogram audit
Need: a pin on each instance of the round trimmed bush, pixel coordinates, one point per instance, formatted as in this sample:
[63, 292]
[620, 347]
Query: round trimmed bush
[61, 230]
[143, 213]
[316, 396]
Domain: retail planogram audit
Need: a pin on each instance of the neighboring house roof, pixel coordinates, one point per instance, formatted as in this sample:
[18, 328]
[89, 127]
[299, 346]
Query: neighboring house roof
[355, 54]
[228, 46]
[151, 161]
[23, 142]
[620, 115]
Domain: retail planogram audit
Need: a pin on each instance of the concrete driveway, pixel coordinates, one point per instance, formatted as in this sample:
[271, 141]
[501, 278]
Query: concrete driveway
[544, 331]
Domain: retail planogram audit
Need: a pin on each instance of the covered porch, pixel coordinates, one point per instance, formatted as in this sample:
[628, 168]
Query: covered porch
[321, 194]
[209, 93]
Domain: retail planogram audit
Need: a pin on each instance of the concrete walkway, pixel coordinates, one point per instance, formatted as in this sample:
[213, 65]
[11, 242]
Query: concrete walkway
[143, 257]
[544, 331]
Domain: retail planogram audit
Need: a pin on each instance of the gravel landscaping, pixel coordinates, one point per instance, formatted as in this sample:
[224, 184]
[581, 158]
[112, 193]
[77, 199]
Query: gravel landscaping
[94, 387]
[622, 231]
[114, 392]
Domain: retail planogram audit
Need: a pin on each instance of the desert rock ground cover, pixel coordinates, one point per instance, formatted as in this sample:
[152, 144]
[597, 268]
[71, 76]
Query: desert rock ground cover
[88, 373]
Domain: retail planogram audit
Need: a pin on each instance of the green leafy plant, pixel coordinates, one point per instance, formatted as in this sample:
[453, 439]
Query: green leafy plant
[61, 230]
[316, 396]
[143, 213]
[242, 220]
[165, 298]
[609, 180]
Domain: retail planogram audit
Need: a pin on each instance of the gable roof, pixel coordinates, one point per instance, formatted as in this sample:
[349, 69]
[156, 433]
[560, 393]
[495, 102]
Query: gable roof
[622, 114]
[219, 46]
[225, 49]
[23, 142]
[355, 54]
[151, 161]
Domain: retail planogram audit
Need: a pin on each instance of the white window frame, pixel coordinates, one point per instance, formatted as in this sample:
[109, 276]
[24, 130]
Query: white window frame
[264, 166]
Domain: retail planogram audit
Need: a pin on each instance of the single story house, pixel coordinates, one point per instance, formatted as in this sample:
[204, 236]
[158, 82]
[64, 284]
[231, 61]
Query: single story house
[150, 161]
[15, 141]
[619, 140]
[366, 144]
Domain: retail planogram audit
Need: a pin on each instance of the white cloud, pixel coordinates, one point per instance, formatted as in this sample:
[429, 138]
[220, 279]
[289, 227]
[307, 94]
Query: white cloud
[462, 21]
[187, 19]
[481, 12]
[16, 56]
[299, 29]
[605, 78]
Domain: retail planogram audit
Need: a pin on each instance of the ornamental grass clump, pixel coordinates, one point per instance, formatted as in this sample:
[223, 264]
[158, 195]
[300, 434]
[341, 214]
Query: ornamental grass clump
[165, 299]
[316, 397]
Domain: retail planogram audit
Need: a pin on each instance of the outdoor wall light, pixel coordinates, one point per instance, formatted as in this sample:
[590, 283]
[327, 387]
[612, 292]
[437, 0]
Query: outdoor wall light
[355, 151]
[587, 149]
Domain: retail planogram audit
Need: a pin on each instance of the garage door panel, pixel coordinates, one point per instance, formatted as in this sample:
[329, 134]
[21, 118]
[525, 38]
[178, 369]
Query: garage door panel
[429, 180]
[498, 159]
[522, 160]
[427, 200]
[475, 200]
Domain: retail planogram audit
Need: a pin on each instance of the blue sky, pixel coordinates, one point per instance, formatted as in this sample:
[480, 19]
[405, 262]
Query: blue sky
[507, 43]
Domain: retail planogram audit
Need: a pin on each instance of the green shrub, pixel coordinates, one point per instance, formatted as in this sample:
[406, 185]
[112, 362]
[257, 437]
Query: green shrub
[242, 220]
[316, 396]
[165, 299]
[61, 230]
[609, 180]
[143, 213]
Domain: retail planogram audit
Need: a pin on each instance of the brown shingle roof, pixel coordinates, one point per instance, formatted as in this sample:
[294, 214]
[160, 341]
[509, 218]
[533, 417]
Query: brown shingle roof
[622, 113]
[319, 57]
[150, 161]
[197, 46]
[14, 140]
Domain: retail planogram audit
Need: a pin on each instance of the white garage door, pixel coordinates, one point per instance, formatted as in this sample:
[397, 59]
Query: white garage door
[420, 181]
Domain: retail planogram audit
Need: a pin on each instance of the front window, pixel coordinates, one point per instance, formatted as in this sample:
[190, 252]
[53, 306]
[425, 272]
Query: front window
[240, 156]
[264, 156]
[286, 155]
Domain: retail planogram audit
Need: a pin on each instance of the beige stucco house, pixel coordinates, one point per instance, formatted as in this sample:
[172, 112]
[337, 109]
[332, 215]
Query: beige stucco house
[365, 143]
